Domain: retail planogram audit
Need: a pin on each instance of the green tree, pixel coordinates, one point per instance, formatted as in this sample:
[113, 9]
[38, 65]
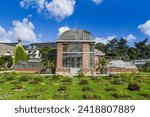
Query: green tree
[132, 53]
[143, 49]
[2, 62]
[122, 49]
[101, 46]
[45, 53]
[20, 54]
[111, 47]
[47, 60]
[48, 64]
[102, 63]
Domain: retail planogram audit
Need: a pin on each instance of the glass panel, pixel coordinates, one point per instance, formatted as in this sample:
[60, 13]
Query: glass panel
[72, 60]
[73, 47]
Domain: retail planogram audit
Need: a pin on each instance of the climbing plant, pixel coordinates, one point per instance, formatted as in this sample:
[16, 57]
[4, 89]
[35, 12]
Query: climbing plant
[20, 54]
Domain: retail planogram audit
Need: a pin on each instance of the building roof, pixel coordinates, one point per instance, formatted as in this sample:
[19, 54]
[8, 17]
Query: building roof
[121, 64]
[75, 36]
[41, 45]
[99, 53]
[10, 44]
[6, 49]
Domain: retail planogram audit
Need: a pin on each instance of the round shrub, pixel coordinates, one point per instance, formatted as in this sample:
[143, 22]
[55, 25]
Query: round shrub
[133, 87]
[117, 82]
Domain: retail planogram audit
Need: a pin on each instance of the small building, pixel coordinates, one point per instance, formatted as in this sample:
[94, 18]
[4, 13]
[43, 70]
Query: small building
[118, 66]
[32, 65]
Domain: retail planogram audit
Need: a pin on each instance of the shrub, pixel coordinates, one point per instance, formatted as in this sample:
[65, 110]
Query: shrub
[133, 87]
[10, 77]
[87, 89]
[62, 88]
[17, 86]
[145, 95]
[117, 82]
[39, 79]
[23, 78]
[55, 77]
[41, 89]
[95, 78]
[30, 96]
[67, 80]
[60, 96]
[114, 76]
[34, 82]
[91, 97]
[83, 82]
[80, 73]
[120, 95]
[2, 80]
[110, 89]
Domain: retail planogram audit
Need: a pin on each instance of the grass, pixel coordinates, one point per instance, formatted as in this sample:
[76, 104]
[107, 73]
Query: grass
[28, 86]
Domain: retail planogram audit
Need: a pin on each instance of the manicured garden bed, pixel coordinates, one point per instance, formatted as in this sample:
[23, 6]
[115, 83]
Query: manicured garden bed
[28, 86]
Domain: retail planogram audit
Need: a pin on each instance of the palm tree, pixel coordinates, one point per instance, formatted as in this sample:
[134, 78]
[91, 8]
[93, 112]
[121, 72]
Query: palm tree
[102, 63]
[47, 64]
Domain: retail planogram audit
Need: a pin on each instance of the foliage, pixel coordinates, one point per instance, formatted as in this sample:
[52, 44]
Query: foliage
[80, 73]
[117, 82]
[20, 54]
[119, 49]
[47, 60]
[102, 63]
[83, 82]
[66, 89]
[45, 52]
[143, 49]
[146, 67]
[133, 87]
[6, 62]
[101, 46]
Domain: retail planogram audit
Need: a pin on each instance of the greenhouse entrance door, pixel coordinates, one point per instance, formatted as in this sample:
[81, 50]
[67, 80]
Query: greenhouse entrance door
[74, 70]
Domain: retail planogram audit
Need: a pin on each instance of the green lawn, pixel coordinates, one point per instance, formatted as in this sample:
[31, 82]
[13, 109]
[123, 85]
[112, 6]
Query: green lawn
[28, 86]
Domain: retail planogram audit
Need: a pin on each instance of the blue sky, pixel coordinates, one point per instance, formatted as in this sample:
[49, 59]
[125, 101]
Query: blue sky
[44, 20]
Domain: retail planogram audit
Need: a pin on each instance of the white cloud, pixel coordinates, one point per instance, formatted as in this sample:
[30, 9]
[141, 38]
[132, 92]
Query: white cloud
[105, 40]
[60, 9]
[23, 30]
[97, 2]
[130, 37]
[145, 28]
[62, 30]
[57, 9]
[2, 30]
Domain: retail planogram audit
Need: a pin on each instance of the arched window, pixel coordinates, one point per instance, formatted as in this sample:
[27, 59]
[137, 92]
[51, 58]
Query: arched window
[34, 47]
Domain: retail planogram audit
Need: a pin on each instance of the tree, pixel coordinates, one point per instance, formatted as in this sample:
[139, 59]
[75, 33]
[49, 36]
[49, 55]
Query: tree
[111, 47]
[142, 49]
[6, 62]
[132, 53]
[45, 53]
[47, 60]
[101, 46]
[2, 62]
[48, 64]
[102, 63]
[122, 49]
[20, 54]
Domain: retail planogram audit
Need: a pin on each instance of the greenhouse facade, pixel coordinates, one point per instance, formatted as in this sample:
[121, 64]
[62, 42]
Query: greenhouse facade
[75, 51]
